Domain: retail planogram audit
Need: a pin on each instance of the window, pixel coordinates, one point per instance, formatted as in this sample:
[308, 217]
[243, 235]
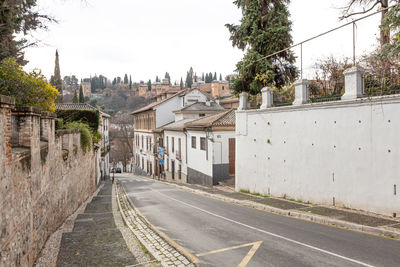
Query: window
[167, 143]
[173, 144]
[193, 141]
[142, 142]
[202, 143]
[223, 87]
[202, 115]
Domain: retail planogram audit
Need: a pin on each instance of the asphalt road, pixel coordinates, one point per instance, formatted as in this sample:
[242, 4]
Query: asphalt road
[223, 234]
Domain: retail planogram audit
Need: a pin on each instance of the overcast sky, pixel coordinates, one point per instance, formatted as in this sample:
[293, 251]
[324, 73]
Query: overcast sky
[148, 38]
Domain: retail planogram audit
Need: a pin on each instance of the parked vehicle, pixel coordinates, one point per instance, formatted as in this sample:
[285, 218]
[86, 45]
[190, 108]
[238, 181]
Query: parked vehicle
[118, 170]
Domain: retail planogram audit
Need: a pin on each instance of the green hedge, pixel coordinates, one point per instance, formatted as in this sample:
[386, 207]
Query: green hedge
[90, 117]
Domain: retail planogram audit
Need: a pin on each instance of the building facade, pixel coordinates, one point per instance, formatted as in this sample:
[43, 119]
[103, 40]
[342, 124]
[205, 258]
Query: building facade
[148, 133]
[211, 148]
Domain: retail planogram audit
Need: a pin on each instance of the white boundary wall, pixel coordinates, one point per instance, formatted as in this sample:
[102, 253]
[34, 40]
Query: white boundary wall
[347, 152]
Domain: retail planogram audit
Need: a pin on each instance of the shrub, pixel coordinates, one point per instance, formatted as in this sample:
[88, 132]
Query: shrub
[59, 123]
[86, 136]
[90, 117]
[28, 89]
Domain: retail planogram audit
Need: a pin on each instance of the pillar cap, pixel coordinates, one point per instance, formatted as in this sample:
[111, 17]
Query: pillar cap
[301, 81]
[267, 89]
[354, 69]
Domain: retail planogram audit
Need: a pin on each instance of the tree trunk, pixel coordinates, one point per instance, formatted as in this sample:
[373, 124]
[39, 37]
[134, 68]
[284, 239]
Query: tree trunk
[384, 35]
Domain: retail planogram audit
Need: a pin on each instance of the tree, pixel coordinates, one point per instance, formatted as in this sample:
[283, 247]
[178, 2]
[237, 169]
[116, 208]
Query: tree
[220, 77]
[130, 82]
[56, 79]
[149, 85]
[210, 77]
[391, 23]
[181, 84]
[189, 79]
[263, 30]
[368, 5]
[215, 76]
[19, 18]
[157, 79]
[168, 78]
[75, 98]
[126, 81]
[114, 82]
[28, 89]
[202, 76]
[81, 97]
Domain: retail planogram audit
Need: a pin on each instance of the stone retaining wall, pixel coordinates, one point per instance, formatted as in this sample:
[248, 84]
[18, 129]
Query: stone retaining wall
[44, 177]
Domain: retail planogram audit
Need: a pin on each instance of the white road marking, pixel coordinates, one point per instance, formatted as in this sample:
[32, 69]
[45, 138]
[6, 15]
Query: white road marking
[269, 233]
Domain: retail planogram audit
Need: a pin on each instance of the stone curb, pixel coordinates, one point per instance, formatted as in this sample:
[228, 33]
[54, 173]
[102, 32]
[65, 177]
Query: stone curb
[291, 213]
[174, 253]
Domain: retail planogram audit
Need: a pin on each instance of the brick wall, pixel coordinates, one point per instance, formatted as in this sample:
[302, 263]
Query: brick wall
[44, 177]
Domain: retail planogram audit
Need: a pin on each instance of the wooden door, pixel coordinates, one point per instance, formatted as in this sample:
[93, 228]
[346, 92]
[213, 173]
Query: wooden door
[231, 156]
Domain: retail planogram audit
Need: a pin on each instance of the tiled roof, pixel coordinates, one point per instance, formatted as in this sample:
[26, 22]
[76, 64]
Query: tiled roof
[78, 106]
[226, 118]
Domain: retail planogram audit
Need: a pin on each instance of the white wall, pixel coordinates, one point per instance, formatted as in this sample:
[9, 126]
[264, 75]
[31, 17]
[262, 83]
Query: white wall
[164, 111]
[347, 150]
[221, 146]
[194, 96]
[197, 157]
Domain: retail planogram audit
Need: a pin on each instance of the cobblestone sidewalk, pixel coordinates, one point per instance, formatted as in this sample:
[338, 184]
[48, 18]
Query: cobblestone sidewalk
[148, 236]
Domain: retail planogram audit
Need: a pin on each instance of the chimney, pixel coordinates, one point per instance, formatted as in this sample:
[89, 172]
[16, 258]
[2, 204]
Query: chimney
[208, 103]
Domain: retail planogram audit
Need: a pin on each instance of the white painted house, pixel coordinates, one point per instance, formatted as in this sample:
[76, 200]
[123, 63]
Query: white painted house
[175, 143]
[148, 133]
[211, 148]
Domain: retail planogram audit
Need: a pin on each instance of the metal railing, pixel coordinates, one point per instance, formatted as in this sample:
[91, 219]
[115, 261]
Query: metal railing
[353, 23]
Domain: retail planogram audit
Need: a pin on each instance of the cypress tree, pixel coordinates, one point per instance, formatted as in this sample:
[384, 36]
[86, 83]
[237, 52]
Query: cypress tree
[263, 30]
[126, 81]
[215, 76]
[202, 76]
[210, 77]
[168, 77]
[130, 82]
[56, 79]
[189, 80]
[181, 84]
[81, 97]
[149, 85]
[220, 77]
[75, 98]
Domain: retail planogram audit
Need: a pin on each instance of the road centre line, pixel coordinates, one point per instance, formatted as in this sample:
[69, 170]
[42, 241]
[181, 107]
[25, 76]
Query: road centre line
[268, 233]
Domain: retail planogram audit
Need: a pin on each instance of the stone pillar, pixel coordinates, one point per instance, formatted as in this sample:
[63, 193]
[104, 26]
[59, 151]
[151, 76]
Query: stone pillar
[6, 105]
[301, 92]
[46, 129]
[242, 101]
[26, 127]
[353, 83]
[267, 97]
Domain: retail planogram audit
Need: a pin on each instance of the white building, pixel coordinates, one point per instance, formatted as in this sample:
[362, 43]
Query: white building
[148, 122]
[211, 148]
[175, 144]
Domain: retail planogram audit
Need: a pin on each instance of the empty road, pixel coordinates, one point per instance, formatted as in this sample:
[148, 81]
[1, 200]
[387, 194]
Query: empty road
[224, 234]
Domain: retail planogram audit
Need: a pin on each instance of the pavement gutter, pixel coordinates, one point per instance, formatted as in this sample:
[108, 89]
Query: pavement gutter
[191, 259]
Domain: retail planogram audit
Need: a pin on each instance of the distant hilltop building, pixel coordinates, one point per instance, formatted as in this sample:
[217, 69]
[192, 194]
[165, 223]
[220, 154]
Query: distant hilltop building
[87, 89]
[216, 89]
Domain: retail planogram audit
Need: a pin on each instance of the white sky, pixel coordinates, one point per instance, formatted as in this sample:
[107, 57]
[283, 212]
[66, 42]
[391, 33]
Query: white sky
[148, 38]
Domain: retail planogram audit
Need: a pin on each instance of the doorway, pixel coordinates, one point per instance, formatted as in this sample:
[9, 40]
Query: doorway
[231, 156]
